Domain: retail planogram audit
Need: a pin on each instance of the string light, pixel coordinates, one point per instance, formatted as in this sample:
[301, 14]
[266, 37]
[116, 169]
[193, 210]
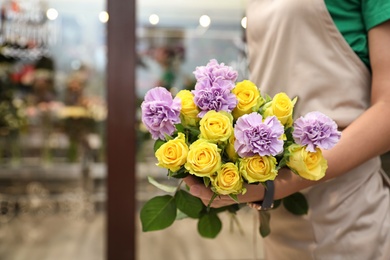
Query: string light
[204, 21]
[103, 17]
[154, 19]
[244, 22]
[51, 14]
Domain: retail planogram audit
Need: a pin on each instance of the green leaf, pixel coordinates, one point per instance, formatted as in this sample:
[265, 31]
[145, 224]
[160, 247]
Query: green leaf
[296, 203]
[158, 213]
[234, 197]
[265, 218]
[192, 133]
[288, 131]
[166, 188]
[206, 181]
[209, 225]
[277, 203]
[188, 204]
[179, 128]
[181, 173]
[231, 209]
[158, 144]
[282, 163]
[180, 215]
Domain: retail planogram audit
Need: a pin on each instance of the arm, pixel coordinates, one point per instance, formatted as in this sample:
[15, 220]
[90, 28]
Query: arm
[368, 136]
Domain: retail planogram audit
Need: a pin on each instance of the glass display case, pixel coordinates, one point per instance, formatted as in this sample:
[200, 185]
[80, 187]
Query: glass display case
[52, 121]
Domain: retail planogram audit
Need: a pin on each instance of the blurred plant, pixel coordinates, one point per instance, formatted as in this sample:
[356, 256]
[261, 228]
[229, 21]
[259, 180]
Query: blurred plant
[12, 114]
[79, 121]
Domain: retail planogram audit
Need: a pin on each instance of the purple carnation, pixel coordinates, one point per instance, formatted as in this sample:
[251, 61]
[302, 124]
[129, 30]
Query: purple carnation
[253, 136]
[316, 130]
[214, 73]
[213, 88]
[214, 98]
[160, 112]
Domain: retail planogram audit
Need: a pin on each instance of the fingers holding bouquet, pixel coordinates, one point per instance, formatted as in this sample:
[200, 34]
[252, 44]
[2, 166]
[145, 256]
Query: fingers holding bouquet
[198, 189]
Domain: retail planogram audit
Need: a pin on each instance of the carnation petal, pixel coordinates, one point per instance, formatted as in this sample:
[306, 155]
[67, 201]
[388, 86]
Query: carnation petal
[160, 112]
[316, 130]
[253, 136]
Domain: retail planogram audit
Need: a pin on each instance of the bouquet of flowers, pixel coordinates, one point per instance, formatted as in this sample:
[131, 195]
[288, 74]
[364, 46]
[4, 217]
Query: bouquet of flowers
[228, 133]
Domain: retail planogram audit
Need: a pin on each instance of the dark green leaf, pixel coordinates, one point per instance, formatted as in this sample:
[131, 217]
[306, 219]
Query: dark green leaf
[265, 218]
[180, 128]
[158, 144]
[158, 213]
[296, 203]
[277, 203]
[234, 197]
[192, 134]
[288, 131]
[206, 181]
[209, 225]
[231, 208]
[181, 173]
[282, 163]
[188, 204]
[180, 215]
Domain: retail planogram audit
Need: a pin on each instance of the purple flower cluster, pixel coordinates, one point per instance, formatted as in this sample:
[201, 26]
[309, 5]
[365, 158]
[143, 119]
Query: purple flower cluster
[253, 136]
[160, 112]
[316, 130]
[213, 87]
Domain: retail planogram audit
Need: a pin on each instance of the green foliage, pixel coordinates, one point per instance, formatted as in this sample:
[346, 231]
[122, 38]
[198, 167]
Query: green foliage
[158, 213]
[209, 225]
[296, 204]
[181, 173]
[265, 218]
[188, 204]
[157, 144]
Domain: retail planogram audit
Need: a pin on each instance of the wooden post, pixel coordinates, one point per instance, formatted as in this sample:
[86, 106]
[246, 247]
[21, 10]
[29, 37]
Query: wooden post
[121, 133]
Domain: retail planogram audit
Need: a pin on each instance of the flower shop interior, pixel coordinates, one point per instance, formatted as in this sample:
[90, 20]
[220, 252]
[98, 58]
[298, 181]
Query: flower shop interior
[74, 156]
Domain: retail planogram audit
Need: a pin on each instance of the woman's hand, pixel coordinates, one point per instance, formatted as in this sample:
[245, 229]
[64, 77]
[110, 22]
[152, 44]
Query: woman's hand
[198, 189]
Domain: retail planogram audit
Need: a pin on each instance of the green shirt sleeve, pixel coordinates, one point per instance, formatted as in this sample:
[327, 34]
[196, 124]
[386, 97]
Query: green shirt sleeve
[375, 12]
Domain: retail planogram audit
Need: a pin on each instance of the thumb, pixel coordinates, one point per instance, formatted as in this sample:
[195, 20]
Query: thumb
[195, 190]
[201, 191]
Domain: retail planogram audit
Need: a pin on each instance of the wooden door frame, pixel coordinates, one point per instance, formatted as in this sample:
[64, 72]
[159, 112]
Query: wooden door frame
[121, 131]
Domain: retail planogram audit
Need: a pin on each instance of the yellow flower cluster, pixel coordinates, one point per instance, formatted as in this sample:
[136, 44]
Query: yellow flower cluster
[213, 155]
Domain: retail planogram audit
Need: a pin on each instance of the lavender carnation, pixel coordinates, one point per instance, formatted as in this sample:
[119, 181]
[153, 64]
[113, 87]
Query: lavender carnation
[253, 136]
[160, 112]
[213, 88]
[316, 130]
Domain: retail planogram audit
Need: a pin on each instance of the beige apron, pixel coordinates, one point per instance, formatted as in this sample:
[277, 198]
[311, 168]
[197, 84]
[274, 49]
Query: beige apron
[295, 47]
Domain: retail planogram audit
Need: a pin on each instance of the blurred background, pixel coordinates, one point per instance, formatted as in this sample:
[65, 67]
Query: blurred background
[53, 115]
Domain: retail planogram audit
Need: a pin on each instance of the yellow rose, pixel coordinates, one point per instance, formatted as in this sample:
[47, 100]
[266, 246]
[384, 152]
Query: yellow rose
[308, 165]
[189, 111]
[228, 180]
[216, 126]
[282, 107]
[229, 149]
[173, 154]
[249, 98]
[258, 168]
[203, 158]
